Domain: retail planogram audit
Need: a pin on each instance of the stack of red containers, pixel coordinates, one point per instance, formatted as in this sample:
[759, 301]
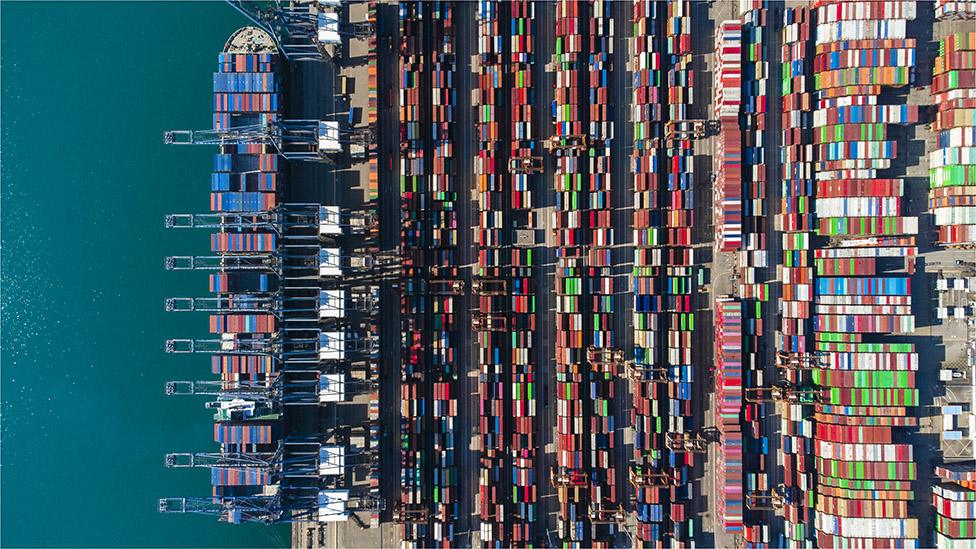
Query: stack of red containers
[728, 169]
[728, 412]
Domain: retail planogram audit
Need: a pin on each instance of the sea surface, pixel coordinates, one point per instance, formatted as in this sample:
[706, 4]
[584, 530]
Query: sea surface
[87, 90]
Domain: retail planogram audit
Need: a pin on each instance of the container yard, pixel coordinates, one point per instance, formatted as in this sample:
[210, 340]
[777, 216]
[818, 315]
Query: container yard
[581, 273]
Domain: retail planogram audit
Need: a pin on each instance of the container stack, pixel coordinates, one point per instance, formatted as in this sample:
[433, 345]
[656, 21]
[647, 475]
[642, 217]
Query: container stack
[372, 110]
[728, 150]
[752, 263]
[955, 9]
[414, 238]
[680, 321]
[491, 333]
[863, 377]
[954, 499]
[443, 272]
[795, 274]
[952, 167]
[604, 493]
[650, 234]
[571, 475]
[728, 398]
[524, 276]
[244, 179]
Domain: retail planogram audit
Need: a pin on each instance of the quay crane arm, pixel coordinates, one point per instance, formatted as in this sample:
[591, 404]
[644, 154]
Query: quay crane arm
[252, 262]
[361, 300]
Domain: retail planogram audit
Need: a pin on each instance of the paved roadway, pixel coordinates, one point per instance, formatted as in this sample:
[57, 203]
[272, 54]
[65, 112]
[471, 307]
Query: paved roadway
[623, 251]
[774, 247]
[467, 390]
[546, 199]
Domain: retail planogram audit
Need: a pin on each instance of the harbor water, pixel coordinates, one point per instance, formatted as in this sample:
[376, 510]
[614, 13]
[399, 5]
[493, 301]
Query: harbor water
[88, 89]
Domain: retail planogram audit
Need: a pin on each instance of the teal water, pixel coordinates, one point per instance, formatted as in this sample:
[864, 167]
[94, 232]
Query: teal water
[88, 89]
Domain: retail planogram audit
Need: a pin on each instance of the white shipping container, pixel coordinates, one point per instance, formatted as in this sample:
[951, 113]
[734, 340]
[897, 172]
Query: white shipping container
[861, 30]
[862, 10]
[952, 156]
[862, 452]
[863, 310]
[959, 137]
[858, 206]
[955, 215]
[889, 251]
[856, 527]
[872, 361]
[864, 300]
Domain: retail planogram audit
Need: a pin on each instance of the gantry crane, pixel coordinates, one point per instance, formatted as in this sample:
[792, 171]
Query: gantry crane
[525, 165]
[270, 509]
[565, 476]
[639, 477]
[686, 442]
[607, 514]
[324, 302]
[311, 140]
[293, 458]
[778, 393]
[489, 322]
[772, 500]
[275, 346]
[254, 262]
[409, 513]
[302, 30]
[328, 220]
[798, 361]
[614, 359]
[489, 286]
[557, 144]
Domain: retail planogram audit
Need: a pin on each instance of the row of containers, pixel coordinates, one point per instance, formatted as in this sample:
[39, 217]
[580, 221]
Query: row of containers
[679, 315]
[505, 282]
[413, 501]
[795, 225]
[952, 200]
[605, 496]
[753, 268]
[952, 166]
[372, 107]
[954, 499]
[861, 377]
[663, 319]
[740, 87]
[571, 474]
[245, 178]
[432, 289]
